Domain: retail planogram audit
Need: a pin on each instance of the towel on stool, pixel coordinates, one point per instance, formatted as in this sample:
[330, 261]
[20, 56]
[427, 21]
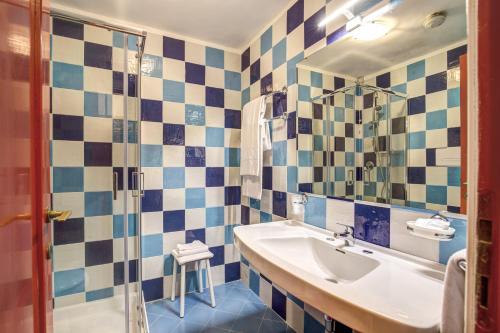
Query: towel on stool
[191, 248]
[452, 316]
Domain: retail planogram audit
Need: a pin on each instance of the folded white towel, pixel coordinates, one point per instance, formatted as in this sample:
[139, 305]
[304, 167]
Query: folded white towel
[193, 251]
[195, 245]
[452, 316]
[432, 223]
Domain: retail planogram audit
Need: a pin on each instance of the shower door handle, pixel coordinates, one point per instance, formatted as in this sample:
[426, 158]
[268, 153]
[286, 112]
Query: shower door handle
[137, 184]
[115, 185]
[350, 177]
[366, 177]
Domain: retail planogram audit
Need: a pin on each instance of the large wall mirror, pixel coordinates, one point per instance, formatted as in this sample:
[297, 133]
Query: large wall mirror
[380, 112]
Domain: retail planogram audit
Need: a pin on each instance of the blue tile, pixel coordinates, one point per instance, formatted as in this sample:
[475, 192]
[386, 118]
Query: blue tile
[214, 176]
[305, 158]
[195, 157]
[316, 79]
[173, 91]
[416, 175]
[245, 215]
[173, 177]
[173, 134]
[402, 88]
[372, 224]
[453, 176]
[214, 217]
[118, 41]
[118, 84]
[279, 153]
[152, 289]
[415, 71]
[436, 194]
[232, 272]
[98, 252]
[279, 203]
[222, 319]
[453, 137]
[67, 76]
[195, 234]
[67, 179]
[232, 195]
[245, 96]
[231, 157]
[69, 232]
[118, 272]
[152, 66]
[291, 68]
[232, 118]
[254, 282]
[453, 97]
[339, 114]
[291, 179]
[416, 140]
[453, 56]
[266, 84]
[214, 137]
[265, 217]
[214, 57]
[195, 115]
[232, 80]
[313, 33]
[279, 53]
[279, 303]
[195, 73]
[218, 258]
[229, 234]
[151, 155]
[152, 201]
[383, 80]
[195, 198]
[67, 28]
[315, 212]
[98, 55]
[95, 295]
[69, 282]
[436, 82]
[294, 16]
[267, 178]
[97, 105]
[118, 225]
[336, 35]
[245, 59]
[255, 72]
[436, 119]
[174, 48]
[174, 220]
[152, 245]
[430, 156]
[305, 126]
[446, 249]
[214, 97]
[98, 203]
[304, 93]
[272, 326]
[266, 41]
[416, 105]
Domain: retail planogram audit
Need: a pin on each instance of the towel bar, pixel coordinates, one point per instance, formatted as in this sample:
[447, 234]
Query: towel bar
[462, 264]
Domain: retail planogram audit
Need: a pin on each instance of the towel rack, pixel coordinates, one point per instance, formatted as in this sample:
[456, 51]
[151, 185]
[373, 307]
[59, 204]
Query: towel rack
[284, 115]
[462, 264]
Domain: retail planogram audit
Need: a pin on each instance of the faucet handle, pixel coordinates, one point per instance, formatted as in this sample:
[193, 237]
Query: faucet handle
[348, 228]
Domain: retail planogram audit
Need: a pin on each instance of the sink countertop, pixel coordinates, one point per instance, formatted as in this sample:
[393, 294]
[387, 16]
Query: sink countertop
[402, 293]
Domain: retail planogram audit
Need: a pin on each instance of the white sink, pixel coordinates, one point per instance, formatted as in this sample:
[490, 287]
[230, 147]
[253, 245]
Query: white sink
[326, 261]
[367, 287]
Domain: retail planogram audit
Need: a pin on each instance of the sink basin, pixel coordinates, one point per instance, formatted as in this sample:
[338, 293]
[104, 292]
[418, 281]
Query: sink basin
[369, 288]
[316, 255]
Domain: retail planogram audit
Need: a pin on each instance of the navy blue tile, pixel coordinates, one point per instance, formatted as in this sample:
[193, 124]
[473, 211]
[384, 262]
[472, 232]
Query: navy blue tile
[359, 117]
[416, 105]
[245, 215]
[195, 234]
[174, 134]
[416, 175]
[232, 195]
[195, 73]
[292, 125]
[336, 35]
[430, 155]
[232, 118]
[341, 328]
[151, 110]
[195, 157]
[436, 82]
[69, 232]
[372, 224]
[305, 187]
[453, 56]
[118, 84]
[118, 272]
[174, 220]
[305, 126]
[312, 32]
[98, 55]
[454, 137]
[67, 127]
[255, 72]
[98, 154]
[174, 48]
[68, 29]
[368, 101]
[279, 303]
[98, 252]
[266, 83]
[294, 16]
[153, 289]
[245, 59]
[279, 203]
[384, 80]
[214, 176]
[218, 258]
[338, 82]
[131, 182]
[152, 201]
[267, 178]
[214, 97]
[232, 272]
[279, 104]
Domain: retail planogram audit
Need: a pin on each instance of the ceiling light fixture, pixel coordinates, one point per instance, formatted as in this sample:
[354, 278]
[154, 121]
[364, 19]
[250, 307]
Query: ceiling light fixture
[370, 31]
[343, 10]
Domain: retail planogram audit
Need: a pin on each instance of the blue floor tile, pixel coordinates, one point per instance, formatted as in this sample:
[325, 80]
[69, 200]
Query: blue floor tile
[222, 319]
[231, 305]
[271, 326]
[271, 315]
[164, 325]
[189, 327]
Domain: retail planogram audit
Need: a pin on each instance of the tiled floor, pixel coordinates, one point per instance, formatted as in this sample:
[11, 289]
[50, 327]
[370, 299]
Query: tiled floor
[238, 310]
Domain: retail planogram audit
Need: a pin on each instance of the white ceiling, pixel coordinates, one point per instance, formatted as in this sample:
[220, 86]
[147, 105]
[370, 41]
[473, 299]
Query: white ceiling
[228, 23]
[407, 40]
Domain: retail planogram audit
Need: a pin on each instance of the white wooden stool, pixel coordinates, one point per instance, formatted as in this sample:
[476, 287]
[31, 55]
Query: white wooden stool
[197, 258]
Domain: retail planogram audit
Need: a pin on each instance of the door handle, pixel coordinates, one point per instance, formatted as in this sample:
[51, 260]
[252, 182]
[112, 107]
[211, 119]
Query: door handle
[115, 185]
[350, 177]
[58, 215]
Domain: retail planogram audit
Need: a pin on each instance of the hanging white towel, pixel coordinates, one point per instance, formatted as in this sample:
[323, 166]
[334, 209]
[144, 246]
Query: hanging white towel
[452, 316]
[266, 136]
[251, 137]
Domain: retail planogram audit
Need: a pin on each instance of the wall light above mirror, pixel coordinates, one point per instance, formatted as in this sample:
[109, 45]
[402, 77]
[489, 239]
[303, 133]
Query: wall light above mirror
[380, 115]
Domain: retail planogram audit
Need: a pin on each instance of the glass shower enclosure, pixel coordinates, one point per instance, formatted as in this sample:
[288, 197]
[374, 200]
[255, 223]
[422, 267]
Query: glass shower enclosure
[96, 174]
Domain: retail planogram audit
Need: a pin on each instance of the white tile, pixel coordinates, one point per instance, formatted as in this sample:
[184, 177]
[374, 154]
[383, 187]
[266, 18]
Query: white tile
[98, 35]
[231, 254]
[72, 201]
[69, 256]
[195, 177]
[152, 223]
[214, 196]
[195, 136]
[173, 156]
[153, 178]
[195, 218]
[436, 64]
[152, 267]
[98, 228]
[214, 77]
[402, 240]
[295, 42]
[218, 275]
[265, 292]
[232, 99]
[416, 192]
[154, 45]
[68, 300]
[173, 199]
[280, 80]
[339, 211]
[436, 176]
[312, 6]
[174, 70]
[232, 61]
[214, 236]
[232, 214]
[214, 117]
[279, 29]
[173, 113]
[266, 64]
[67, 50]
[416, 88]
[98, 179]
[195, 94]
[98, 80]
[98, 277]
[436, 138]
[67, 101]
[195, 53]
[98, 129]
[232, 137]
[67, 153]
[151, 88]
[294, 316]
[295, 210]
[172, 239]
[254, 51]
[152, 132]
[279, 178]
[214, 156]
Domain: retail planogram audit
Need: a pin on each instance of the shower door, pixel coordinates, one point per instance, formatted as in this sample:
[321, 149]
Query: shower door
[95, 172]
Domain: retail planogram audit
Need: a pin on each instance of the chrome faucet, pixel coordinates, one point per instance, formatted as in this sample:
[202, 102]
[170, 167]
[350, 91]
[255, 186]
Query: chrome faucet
[347, 234]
